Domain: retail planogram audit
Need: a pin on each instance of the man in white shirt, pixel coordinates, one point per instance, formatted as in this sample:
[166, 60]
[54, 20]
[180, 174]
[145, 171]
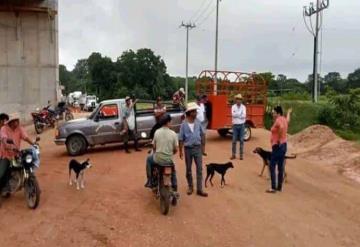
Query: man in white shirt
[238, 112]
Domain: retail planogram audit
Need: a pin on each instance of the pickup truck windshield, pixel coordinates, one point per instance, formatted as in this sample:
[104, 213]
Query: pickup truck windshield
[93, 114]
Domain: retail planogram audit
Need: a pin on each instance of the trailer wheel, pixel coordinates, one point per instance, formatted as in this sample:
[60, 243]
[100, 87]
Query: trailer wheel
[247, 135]
[223, 132]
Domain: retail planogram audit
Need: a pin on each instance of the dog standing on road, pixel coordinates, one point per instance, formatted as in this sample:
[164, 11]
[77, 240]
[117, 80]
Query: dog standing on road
[266, 157]
[79, 170]
[219, 168]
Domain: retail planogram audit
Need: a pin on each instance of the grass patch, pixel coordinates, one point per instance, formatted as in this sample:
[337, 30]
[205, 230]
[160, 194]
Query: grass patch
[305, 114]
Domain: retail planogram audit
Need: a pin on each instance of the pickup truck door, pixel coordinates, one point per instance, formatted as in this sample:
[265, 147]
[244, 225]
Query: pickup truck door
[107, 129]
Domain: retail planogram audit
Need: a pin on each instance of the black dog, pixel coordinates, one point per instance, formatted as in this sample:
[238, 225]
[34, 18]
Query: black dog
[79, 170]
[266, 156]
[219, 168]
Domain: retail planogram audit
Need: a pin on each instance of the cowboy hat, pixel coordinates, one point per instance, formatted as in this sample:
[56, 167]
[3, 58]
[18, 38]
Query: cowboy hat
[127, 98]
[13, 116]
[182, 90]
[191, 107]
[239, 96]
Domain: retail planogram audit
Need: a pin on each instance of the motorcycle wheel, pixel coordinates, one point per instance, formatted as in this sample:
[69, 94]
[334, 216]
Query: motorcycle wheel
[39, 128]
[69, 116]
[164, 200]
[32, 192]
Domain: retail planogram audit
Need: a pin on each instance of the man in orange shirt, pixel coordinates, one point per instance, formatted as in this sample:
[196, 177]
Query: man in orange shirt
[10, 131]
[279, 148]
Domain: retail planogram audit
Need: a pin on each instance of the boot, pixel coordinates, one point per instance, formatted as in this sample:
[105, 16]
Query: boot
[202, 193]
[190, 190]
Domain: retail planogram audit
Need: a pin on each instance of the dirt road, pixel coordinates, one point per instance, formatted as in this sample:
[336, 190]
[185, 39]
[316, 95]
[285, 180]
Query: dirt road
[318, 207]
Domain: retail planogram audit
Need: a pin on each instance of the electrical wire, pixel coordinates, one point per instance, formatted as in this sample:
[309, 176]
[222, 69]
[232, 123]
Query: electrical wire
[203, 12]
[207, 17]
[311, 31]
[198, 10]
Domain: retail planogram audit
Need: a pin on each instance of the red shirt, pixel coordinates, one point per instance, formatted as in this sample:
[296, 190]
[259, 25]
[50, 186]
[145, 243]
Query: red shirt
[15, 135]
[281, 123]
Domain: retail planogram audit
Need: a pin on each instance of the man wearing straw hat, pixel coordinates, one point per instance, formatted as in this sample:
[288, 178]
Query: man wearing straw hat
[190, 141]
[238, 112]
[10, 131]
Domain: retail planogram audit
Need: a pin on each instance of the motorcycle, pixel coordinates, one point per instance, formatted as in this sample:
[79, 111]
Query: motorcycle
[162, 189]
[22, 174]
[43, 118]
[62, 110]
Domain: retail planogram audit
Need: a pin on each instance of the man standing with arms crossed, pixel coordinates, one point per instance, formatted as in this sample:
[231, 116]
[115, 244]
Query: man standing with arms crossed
[190, 140]
[238, 112]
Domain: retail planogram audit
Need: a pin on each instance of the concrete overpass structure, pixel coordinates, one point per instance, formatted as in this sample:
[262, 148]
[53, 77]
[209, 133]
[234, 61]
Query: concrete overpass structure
[29, 74]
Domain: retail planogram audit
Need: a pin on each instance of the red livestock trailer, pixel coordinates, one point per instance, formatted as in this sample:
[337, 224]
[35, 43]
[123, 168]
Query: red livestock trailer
[221, 96]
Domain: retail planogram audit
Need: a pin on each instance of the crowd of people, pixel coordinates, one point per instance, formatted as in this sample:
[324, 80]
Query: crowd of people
[189, 143]
[191, 140]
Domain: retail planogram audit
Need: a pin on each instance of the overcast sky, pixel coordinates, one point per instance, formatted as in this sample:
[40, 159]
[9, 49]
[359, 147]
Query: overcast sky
[256, 35]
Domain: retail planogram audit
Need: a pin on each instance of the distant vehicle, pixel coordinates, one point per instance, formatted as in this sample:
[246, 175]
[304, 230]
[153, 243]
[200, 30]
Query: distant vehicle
[104, 125]
[91, 103]
[253, 88]
[82, 101]
[74, 98]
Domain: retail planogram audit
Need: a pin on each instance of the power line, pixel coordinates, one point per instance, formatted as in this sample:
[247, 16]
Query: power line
[207, 17]
[198, 10]
[203, 12]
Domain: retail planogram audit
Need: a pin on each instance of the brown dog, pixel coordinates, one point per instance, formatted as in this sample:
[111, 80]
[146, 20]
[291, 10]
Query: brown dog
[266, 157]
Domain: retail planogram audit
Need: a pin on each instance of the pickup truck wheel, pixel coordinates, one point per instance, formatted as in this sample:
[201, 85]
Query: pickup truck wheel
[76, 145]
[223, 132]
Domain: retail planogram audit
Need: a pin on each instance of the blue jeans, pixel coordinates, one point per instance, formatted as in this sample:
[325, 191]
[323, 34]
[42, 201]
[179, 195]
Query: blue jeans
[150, 163]
[277, 159]
[238, 135]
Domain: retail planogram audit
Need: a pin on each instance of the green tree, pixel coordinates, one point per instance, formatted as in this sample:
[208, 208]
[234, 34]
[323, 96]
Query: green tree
[144, 74]
[334, 81]
[354, 79]
[103, 77]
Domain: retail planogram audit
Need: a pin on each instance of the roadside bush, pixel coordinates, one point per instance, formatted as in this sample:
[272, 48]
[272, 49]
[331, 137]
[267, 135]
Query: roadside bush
[342, 112]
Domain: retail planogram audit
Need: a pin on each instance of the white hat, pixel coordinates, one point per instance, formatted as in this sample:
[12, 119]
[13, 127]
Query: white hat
[13, 116]
[191, 107]
[239, 96]
[182, 90]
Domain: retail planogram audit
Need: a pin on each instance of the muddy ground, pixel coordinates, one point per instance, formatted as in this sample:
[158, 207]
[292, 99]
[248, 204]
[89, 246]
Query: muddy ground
[318, 207]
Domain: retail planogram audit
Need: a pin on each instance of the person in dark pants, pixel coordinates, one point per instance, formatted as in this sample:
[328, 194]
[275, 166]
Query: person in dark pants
[238, 113]
[165, 146]
[129, 125]
[279, 148]
[190, 140]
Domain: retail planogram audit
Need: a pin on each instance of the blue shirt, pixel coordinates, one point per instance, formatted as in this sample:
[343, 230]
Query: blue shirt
[188, 137]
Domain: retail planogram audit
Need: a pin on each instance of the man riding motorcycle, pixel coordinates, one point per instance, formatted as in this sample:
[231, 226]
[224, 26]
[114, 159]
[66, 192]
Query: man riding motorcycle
[165, 145]
[10, 131]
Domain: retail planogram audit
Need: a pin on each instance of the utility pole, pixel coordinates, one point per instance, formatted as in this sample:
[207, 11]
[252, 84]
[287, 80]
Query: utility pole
[216, 44]
[310, 11]
[188, 27]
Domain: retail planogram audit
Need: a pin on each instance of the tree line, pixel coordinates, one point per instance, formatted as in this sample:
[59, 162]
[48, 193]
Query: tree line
[143, 74]
[140, 73]
[332, 81]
